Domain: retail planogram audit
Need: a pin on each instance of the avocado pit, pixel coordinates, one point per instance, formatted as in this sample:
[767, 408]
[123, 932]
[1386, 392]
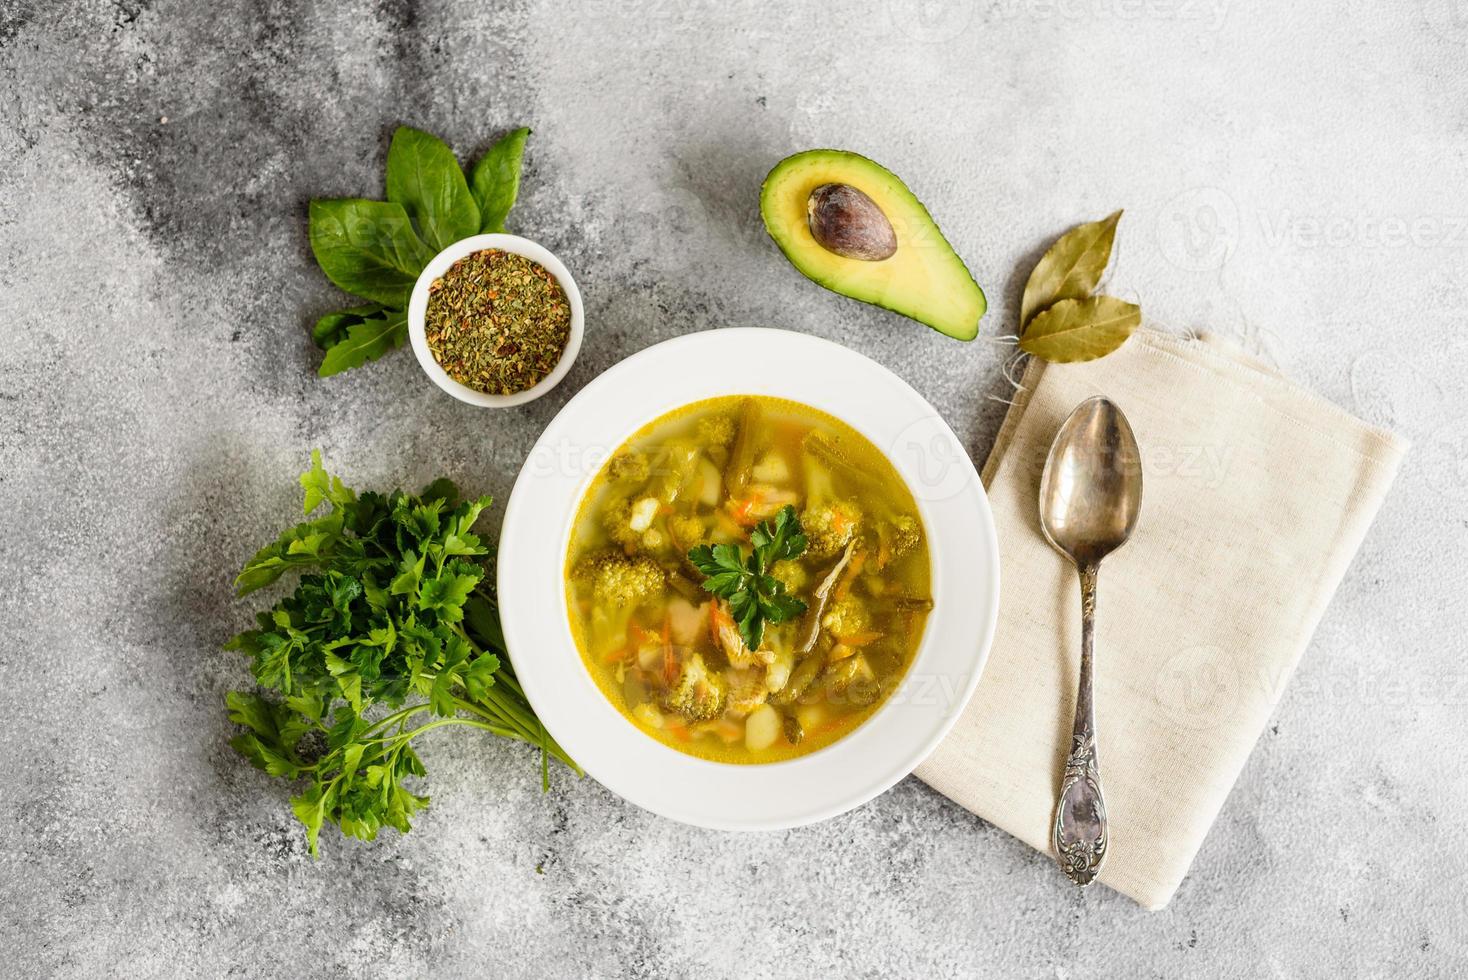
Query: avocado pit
[847, 222]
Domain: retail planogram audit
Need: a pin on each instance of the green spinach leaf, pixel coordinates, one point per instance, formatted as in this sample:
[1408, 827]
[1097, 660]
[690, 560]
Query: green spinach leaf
[376, 249]
[424, 177]
[496, 180]
[367, 248]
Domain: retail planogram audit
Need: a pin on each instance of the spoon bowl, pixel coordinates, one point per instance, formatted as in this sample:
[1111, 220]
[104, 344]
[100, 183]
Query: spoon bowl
[1090, 497]
[1091, 489]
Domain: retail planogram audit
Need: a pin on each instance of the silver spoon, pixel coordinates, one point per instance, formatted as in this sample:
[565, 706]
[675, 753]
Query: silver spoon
[1090, 494]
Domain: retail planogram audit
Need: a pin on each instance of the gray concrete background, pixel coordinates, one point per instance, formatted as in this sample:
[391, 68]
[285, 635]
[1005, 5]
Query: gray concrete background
[1294, 176]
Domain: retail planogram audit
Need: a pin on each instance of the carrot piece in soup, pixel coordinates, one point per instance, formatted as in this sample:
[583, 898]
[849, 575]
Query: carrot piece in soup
[852, 570]
[670, 661]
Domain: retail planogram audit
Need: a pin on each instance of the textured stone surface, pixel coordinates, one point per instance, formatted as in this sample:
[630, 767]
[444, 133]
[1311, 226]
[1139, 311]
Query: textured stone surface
[1293, 176]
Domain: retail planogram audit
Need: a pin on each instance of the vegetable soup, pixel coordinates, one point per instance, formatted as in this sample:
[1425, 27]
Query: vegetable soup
[748, 579]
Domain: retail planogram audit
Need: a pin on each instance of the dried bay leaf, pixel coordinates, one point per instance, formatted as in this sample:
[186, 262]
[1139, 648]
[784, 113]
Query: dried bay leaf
[1070, 269]
[1081, 329]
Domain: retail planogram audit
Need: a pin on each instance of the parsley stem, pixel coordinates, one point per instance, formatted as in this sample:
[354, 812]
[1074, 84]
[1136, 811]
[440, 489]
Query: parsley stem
[404, 737]
[411, 709]
[508, 679]
[535, 733]
[505, 714]
[506, 704]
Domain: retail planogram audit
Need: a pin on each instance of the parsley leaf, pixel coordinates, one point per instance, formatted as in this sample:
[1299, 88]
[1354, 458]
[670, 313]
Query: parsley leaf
[755, 597]
[321, 486]
[394, 615]
[784, 541]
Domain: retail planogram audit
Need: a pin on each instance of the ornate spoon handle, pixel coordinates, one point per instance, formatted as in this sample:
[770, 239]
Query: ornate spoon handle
[1080, 815]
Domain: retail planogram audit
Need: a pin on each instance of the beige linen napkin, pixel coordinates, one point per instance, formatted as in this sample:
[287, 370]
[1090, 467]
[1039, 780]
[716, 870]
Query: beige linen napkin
[1257, 495]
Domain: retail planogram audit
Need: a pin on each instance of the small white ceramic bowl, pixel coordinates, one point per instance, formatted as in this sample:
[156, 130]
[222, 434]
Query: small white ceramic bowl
[962, 548]
[418, 311]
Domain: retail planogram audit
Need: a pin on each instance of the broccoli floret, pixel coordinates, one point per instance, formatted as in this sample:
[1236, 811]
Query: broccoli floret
[792, 574]
[904, 534]
[629, 466]
[673, 470]
[686, 529]
[828, 527]
[620, 581]
[617, 522]
[698, 694]
[847, 616]
[716, 430]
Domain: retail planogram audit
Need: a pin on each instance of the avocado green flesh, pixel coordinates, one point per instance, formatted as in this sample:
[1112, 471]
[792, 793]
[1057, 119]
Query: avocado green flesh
[925, 279]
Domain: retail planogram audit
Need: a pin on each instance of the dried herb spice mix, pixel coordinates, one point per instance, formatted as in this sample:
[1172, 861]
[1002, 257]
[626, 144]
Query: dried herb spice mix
[497, 322]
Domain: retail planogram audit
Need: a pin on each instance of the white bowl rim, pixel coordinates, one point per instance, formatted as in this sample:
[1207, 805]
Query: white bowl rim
[962, 544]
[418, 312]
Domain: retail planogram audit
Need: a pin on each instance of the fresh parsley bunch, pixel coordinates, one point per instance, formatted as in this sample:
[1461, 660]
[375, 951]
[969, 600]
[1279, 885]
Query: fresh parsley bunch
[755, 596]
[376, 249]
[394, 616]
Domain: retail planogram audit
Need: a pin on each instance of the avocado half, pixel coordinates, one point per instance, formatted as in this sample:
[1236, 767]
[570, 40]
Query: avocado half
[923, 279]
